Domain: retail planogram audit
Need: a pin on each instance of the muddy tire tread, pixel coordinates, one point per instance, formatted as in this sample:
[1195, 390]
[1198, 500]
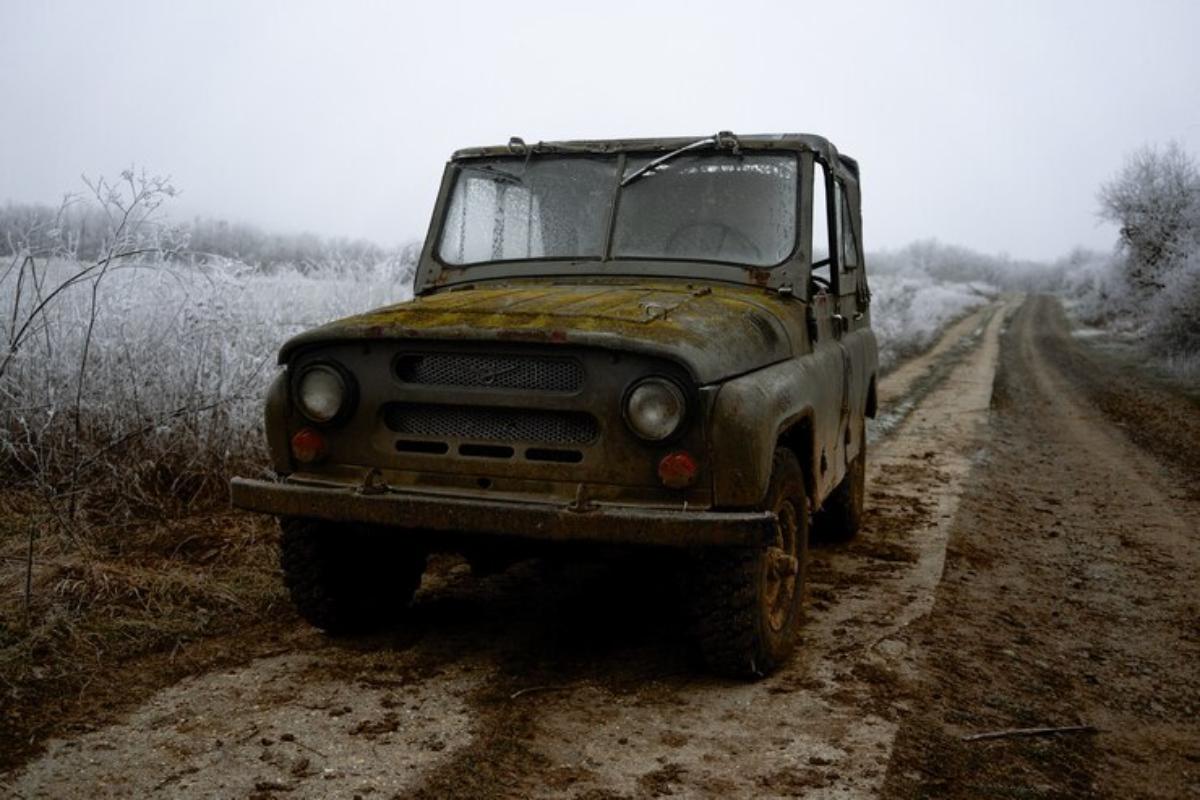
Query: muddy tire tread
[343, 580]
[725, 601]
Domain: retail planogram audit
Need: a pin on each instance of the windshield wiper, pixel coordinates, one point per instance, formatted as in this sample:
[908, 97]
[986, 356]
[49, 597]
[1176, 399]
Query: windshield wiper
[722, 139]
[499, 174]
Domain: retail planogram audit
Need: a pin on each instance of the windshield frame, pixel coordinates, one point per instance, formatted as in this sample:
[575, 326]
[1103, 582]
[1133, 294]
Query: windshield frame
[433, 275]
[456, 169]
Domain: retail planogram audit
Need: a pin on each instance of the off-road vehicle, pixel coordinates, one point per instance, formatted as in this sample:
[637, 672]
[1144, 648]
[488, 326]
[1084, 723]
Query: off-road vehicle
[649, 342]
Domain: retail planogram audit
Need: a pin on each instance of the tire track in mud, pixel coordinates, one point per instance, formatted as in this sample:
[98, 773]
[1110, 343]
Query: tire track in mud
[577, 680]
[824, 725]
[1070, 590]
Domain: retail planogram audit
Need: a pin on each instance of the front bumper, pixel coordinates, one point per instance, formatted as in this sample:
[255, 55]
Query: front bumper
[531, 520]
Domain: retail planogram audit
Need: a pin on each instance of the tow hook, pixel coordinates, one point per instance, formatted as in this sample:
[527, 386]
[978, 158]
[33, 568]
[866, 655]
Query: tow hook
[373, 483]
[582, 503]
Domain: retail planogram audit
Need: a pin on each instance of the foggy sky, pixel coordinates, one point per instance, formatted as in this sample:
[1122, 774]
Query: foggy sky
[984, 124]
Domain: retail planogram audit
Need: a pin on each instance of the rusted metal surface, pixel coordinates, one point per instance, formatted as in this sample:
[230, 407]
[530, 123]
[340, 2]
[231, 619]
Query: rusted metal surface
[541, 521]
[724, 331]
[616, 462]
[763, 141]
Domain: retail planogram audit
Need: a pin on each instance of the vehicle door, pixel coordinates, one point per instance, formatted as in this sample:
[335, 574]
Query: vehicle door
[829, 356]
[850, 316]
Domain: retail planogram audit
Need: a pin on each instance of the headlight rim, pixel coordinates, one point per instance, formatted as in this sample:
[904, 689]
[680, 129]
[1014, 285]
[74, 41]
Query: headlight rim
[673, 385]
[349, 391]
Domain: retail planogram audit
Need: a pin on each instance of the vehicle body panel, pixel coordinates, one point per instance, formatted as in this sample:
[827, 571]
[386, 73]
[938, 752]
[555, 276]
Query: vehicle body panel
[714, 330]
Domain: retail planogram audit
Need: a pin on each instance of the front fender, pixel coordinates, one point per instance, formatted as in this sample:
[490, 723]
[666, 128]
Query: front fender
[750, 415]
[275, 416]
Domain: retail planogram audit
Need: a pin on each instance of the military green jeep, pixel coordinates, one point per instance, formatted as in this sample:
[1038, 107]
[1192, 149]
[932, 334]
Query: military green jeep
[654, 342]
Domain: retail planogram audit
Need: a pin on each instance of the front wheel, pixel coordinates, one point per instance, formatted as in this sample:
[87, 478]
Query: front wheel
[345, 579]
[749, 601]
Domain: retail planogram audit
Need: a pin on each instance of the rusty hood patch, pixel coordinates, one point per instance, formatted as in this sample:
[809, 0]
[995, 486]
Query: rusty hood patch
[714, 330]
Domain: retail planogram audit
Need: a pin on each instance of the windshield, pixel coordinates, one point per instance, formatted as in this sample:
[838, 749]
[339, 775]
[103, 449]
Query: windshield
[513, 209]
[699, 206]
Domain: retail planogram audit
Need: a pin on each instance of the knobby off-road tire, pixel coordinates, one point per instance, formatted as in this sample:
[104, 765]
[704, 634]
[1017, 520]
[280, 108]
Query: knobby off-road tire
[748, 602]
[841, 515]
[345, 579]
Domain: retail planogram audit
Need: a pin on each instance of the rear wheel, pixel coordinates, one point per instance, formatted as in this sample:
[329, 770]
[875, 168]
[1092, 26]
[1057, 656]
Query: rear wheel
[346, 579]
[749, 601]
[840, 517]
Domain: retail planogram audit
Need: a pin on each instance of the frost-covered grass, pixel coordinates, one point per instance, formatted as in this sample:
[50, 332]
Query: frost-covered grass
[1163, 324]
[1147, 290]
[910, 310]
[181, 355]
[921, 288]
[178, 363]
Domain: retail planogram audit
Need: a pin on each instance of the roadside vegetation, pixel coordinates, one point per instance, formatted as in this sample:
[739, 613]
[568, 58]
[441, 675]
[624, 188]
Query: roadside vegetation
[1147, 291]
[133, 358]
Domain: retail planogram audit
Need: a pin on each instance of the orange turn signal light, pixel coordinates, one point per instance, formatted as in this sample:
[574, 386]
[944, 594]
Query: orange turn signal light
[308, 445]
[678, 470]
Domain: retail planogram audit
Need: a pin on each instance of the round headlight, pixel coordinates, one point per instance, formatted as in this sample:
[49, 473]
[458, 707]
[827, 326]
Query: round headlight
[655, 409]
[321, 393]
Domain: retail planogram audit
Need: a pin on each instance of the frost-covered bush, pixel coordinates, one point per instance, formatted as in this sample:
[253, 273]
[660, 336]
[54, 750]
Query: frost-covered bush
[132, 365]
[919, 288]
[179, 361]
[1093, 286]
[1155, 199]
[947, 264]
[908, 311]
[1152, 283]
[1174, 319]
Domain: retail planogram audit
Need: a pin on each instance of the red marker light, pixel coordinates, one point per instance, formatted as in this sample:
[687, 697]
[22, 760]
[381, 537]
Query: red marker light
[308, 445]
[677, 470]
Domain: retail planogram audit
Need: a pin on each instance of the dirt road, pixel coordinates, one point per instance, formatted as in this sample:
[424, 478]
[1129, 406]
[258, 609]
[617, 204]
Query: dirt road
[1025, 562]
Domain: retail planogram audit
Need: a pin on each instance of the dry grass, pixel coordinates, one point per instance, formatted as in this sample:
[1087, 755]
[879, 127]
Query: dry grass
[115, 593]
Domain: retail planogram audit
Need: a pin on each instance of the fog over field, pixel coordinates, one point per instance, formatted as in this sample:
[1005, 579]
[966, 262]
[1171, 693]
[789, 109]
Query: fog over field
[988, 125]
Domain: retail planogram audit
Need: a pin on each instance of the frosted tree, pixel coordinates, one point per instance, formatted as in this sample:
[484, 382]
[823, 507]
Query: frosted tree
[1155, 199]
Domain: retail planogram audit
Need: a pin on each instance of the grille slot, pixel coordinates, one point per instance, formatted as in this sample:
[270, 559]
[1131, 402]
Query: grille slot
[429, 448]
[557, 456]
[537, 373]
[485, 450]
[473, 423]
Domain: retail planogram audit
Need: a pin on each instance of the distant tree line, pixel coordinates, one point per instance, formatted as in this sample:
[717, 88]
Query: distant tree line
[83, 230]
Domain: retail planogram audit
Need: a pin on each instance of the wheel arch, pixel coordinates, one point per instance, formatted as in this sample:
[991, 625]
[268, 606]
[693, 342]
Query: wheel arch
[872, 407]
[796, 434]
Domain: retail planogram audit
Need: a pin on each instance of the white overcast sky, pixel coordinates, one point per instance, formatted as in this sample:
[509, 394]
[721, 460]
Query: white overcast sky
[984, 124]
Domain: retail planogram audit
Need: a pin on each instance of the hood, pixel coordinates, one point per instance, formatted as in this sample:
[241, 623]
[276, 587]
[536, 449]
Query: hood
[715, 331]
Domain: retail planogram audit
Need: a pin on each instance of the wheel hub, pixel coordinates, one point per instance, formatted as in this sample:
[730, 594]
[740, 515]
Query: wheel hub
[781, 568]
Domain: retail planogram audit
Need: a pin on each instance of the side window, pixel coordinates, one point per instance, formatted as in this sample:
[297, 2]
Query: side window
[850, 258]
[820, 232]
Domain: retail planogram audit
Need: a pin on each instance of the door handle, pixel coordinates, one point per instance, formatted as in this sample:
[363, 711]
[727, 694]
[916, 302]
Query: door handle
[841, 323]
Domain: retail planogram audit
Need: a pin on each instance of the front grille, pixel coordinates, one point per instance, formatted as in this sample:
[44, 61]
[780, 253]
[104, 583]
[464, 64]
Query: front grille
[490, 424]
[538, 373]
